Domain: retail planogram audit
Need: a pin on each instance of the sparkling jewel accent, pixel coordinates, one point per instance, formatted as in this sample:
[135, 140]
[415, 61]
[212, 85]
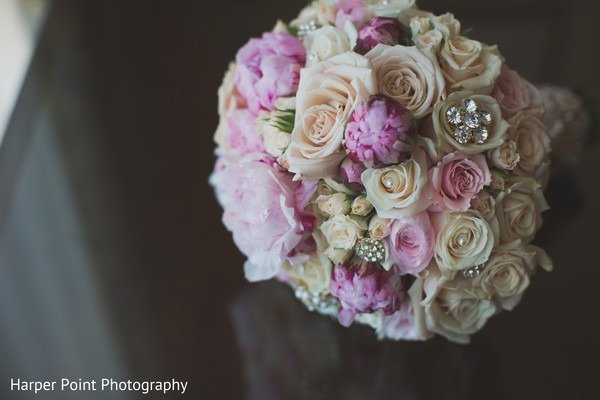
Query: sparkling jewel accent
[313, 301]
[462, 134]
[480, 135]
[370, 250]
[473, 271]
[454, 115]
[469, 122]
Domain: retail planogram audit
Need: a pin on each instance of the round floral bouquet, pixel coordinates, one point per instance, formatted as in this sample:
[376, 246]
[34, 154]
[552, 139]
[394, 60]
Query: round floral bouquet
[385, 165]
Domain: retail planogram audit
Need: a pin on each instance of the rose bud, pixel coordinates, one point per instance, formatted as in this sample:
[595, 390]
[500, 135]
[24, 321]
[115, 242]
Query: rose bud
[351, 172]
[378, 30]
[380, 132]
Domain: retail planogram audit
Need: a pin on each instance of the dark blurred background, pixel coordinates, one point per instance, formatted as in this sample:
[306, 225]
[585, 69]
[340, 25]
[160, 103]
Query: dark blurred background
[114, 262]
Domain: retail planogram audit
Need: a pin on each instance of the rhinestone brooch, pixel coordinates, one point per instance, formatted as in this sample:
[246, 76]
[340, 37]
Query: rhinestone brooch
[469, 122]
[370, 250]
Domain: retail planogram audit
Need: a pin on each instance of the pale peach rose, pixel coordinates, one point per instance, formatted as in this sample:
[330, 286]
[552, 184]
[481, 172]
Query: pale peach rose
[324, 43]
[361, 206]
[408, 76]
[507, 272]
[396, 191]
[464, 239]
[470, 65]
[327, 94]
[519, 211]
[528, 131]
[332, 204]
[379, 228]
[444, 130]
[512, 92]
[342, 231]
[504, 156]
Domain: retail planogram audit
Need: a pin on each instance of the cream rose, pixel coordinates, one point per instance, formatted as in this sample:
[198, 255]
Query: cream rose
[324, 43]
[396, 191]
[505, 156]
[507, 272]
[519, 211]
[315, 273]
[444, 130]
[332, 204]
[319, 13]
[464, 239]
[327, 94]
[457, 313]
[470, 65]
[342, 231]
[485, 204]
[229, 100]
[361, 206]
[379, 228]
[388, 8]
[528, 131]
[337, 256]
[428, 32]
[408, 76]
[275, 141]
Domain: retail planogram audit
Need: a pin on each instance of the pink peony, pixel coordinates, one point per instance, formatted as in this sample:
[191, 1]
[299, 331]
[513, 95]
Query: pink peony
[269, 68]
[350, 10]
[512, 92]
[410, 243]
[456, 179]
[380, 132]
[351, 172]
[378, 30]
[264, 209]
[401, 324]
[365, 288]
[240, 135]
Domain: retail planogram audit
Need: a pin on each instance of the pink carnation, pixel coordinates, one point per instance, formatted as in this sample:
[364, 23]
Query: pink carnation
[410, 243]
[456, 179]
[378, 30]
[264, 209]
[380, 132]
[269, 68]
[240, 135]
[512, 92]
[350, 10]
[365, 288]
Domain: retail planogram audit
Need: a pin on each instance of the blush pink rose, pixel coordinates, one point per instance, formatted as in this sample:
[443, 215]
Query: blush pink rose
[512, 92]
[410, 243]
[264, 209]
[350, 10]
[269, 68]
[456, 179]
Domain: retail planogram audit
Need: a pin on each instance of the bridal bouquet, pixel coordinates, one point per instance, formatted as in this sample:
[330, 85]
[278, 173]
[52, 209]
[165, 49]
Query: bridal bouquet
[386, 166]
